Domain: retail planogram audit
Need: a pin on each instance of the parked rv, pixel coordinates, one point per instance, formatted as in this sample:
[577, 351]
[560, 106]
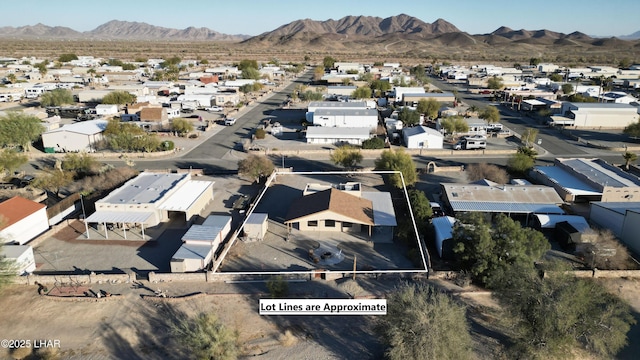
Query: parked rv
[471, 143]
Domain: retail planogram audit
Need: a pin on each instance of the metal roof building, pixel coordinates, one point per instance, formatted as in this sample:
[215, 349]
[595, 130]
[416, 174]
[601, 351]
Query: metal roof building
[508, 199]
[150, 198]
[588, 179]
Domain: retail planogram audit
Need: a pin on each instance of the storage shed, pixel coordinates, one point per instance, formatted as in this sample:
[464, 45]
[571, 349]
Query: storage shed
[23, 220]
[191, 257]
[256, 226]
[443, 230]
[22, 256]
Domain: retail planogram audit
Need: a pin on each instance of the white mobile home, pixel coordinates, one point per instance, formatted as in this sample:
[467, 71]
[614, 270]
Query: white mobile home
[337, 135]
[366, 118]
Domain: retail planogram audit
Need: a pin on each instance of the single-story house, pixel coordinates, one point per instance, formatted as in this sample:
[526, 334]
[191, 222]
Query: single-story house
[155, 115]
[337, 135]
[335, 105]
[22, 220]
[398, 92]
[600, 115]
[422, 137]
[339, 211]
[518, 200]
[80, 136]
[225, 97]
[341, 90]
[22, 257]
[412, 99]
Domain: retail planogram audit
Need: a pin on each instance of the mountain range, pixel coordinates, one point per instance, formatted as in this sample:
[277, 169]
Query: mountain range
[331, 33]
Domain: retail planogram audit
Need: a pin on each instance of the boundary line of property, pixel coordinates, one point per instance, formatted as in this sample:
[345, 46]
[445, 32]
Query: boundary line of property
[424, 253]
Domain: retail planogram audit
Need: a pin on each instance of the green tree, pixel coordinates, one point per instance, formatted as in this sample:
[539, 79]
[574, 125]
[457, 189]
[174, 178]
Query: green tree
[567, 89]
[172, 61]
[119, 98]
[42, 67]
[558, 314]
[419, 73]
[129, 66]
[489, 249]
[632, 130]
[529, 136]
[57, 97]
[363, 92]
[534, 61]
[420, 206]
[318, 73]
[81, 163]
[581, 98]
[181, 126]
[205, 338]
[380, 86]
[255, 167]
[64, 58]
[624, 63]
[245, 64]
[398, 160]
[346, 156]
[555, 77]
[491, 114]
[629, 157]
[495, 83]
[129, 137]
[10, 160]
[424, 323]
[368, 77]
[250, 73]
[519, 163]
[19, 129]
[428, 107]
[346, 81]
[454, 125]
[409, 117]
[53, 180]
[373, 143]
[328, 62]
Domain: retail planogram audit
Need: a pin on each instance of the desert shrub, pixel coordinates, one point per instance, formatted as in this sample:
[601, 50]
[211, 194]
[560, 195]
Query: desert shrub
[205, 337]
[278, 287]
[260, 134]
[373, 143]
[490, 172]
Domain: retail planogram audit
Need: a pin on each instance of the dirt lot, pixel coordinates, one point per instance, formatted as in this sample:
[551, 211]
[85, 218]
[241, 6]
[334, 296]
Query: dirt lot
[134, 328]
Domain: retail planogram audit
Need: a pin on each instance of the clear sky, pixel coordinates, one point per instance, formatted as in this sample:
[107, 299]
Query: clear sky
[252, 17]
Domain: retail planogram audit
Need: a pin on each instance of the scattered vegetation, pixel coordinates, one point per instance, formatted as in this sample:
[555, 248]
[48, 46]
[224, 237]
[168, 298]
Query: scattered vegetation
[255, 167]
[346, 156]
[205, 337]
[11, 160]
[181, 126]
[119, 98]
[373, 143]
[414, 312]
[490, 172]
[278, 287]
[56, 97]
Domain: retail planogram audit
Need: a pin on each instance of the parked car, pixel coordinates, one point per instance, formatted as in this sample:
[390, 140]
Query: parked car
[230, 121]
[214, 109]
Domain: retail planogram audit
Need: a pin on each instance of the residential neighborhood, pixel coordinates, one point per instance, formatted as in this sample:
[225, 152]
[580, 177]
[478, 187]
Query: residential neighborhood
[208, 185]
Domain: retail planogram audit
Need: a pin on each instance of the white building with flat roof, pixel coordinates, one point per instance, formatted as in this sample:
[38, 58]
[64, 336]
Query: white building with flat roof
[76, 137]
[365, 118]
[152, 198]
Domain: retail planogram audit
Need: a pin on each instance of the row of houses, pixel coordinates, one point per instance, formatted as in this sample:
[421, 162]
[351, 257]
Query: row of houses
[603, 195]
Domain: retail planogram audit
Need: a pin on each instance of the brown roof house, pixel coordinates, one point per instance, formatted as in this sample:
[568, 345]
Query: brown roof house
[342, 211]
[156, 116]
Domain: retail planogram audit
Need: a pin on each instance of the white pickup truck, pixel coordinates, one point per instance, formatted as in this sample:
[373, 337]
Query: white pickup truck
[229, 121]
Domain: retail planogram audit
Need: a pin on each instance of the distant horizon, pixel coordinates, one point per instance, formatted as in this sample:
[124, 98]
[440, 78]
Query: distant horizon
[247, 17]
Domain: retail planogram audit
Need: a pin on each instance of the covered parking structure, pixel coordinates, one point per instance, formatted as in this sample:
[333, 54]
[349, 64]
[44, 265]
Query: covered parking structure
[147, 200]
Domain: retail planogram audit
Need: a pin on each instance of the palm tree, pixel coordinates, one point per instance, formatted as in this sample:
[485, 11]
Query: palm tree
[629, 157]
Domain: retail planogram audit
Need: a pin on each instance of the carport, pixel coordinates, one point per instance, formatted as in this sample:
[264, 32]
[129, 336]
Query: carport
[117, 217]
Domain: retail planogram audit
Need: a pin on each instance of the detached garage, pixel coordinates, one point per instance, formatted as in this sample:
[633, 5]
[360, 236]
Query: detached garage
[23, 220]
[422, 137]
[77, 137]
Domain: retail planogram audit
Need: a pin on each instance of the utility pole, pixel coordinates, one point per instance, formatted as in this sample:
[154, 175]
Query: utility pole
[355, 260]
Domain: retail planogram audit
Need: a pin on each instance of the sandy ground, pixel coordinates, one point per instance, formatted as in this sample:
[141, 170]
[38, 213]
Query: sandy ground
[134, 328]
